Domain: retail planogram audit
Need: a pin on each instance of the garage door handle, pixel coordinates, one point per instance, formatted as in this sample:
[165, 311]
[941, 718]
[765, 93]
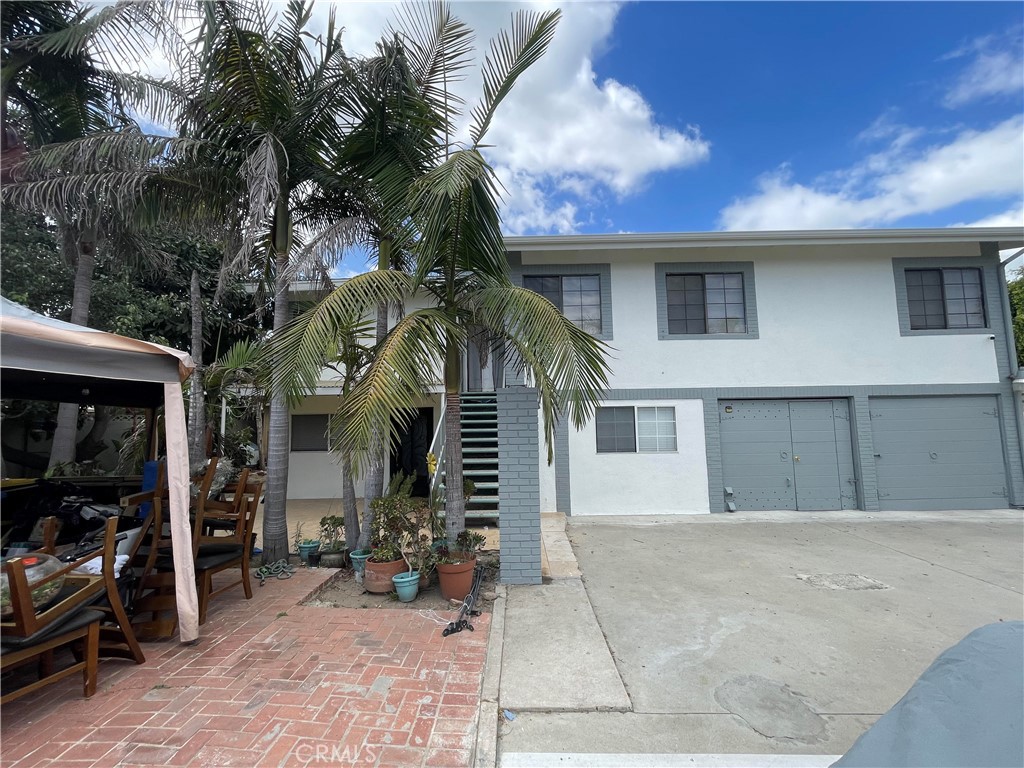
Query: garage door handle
[796, 458]
[878, 455]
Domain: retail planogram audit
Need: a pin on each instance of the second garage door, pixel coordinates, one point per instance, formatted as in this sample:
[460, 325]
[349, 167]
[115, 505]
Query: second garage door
[938, 452]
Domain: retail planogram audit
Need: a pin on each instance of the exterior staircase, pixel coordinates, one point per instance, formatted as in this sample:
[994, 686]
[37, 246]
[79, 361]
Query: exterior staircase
[480, 452]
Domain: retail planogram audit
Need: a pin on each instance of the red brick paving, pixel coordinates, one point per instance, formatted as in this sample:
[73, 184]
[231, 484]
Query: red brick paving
[271, 683]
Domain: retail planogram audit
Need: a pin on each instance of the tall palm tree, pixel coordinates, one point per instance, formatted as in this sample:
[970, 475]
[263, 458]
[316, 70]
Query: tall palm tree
[398, 118]
[265, 104]
[460, 263]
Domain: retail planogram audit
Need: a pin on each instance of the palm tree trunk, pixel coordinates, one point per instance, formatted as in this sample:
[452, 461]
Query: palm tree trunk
[197, 397]
[348, 502]
[275, 520]
[455, 498]
[79, 249]
[373, 480]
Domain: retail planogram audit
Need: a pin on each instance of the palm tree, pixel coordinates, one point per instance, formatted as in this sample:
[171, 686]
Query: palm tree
[398, 115]
[266, 108]
[461, 264]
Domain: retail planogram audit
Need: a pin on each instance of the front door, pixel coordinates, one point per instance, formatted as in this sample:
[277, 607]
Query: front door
[409, 453]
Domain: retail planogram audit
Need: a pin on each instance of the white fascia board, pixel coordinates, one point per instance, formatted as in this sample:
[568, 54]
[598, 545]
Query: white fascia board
[1007, 237]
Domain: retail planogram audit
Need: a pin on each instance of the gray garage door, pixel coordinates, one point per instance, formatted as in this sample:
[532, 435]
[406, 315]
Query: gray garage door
[938, 452]
[787, 454]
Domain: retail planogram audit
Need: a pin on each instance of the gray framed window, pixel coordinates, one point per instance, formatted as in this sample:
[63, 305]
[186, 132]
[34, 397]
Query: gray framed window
[945, 298]
[705, 303]
[616, 430]
[309, 432]
[574, 299]
[578, 297]
[698, 300]
[629, 429]
[947, 295]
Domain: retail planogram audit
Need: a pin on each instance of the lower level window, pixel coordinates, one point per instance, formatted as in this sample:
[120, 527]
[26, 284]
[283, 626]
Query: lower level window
[309, 432]
[629, 429]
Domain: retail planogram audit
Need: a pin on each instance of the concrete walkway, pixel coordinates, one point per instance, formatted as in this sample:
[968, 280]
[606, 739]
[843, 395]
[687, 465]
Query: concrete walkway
[759, 639]
[271, 683]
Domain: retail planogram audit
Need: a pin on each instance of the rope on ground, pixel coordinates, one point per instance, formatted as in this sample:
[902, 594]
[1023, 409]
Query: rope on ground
[281, 569]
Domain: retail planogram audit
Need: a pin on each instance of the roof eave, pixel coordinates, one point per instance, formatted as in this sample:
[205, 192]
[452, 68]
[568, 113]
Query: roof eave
[1006, 237]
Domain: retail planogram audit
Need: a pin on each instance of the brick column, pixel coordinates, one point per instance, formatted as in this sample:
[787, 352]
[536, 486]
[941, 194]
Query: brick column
[519, 485]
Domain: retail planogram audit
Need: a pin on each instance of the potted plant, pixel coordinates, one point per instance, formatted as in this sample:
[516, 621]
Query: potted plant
[332, 541]
[305, 547]
[455, 565]
[391, 524]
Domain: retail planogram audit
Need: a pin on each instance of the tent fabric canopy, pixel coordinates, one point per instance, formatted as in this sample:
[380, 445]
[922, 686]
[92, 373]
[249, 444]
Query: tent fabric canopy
[46, 359]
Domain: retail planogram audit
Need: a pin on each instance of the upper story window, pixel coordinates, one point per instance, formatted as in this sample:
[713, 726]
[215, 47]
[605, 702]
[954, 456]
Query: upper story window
[945, 298]
[578, 297]
[947, 295]
[697, 300]
[707, 303]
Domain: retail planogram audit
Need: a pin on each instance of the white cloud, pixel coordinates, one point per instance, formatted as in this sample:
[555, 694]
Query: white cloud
[996, 68]
[563, 138]
[897, 182]
[1012, 217]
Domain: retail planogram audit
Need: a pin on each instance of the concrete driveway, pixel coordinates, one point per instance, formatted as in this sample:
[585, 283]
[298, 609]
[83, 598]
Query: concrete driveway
[762, 633]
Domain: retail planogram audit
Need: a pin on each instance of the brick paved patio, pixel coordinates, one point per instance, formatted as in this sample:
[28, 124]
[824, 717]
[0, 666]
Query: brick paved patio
[271, 683]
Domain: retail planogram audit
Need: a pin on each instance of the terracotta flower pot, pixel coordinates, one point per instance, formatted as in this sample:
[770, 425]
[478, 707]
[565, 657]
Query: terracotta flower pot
[456, 580]
[377, 577]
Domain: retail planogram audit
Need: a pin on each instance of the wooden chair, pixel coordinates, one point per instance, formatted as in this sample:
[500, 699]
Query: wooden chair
[70, 619]
[155, 607]
[222, 539]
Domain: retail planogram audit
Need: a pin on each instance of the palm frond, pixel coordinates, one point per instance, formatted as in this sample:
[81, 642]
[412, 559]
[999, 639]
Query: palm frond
[297, 353]
[404, 365]
[568, 365]
[511, 54]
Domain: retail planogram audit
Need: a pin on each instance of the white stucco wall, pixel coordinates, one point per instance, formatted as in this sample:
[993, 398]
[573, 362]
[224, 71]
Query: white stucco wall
[642, 483]
[827, 316]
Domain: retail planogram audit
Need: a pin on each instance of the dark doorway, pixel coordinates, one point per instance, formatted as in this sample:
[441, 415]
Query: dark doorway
[409, 453]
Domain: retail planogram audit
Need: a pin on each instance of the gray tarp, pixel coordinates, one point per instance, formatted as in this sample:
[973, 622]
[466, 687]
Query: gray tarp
[966, 710]
[46, 359]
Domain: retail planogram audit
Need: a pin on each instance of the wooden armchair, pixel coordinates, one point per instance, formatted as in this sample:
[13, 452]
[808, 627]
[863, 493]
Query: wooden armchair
[71, 619]
[222, 539]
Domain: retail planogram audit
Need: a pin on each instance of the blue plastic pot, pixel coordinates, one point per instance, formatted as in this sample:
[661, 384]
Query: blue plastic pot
[306, 549]
[407, 585]
[359, 558]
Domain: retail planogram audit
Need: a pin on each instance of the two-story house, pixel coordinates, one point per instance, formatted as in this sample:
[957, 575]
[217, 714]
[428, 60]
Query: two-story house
[814, 370]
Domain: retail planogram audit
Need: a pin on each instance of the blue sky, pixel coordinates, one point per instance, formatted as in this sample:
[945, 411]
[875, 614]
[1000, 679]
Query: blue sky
[792, 91]
[695, 116]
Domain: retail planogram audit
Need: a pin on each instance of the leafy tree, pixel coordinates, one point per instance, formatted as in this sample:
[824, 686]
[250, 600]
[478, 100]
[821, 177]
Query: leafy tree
[57, 89]
[461, 264]
[1016, 288]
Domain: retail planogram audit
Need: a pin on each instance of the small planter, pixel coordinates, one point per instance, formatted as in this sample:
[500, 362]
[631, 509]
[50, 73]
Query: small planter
[456, 581]
[305, 549]
[377, 578]
[313, 559]
[407, 585]
[335, 559]
[359, 558]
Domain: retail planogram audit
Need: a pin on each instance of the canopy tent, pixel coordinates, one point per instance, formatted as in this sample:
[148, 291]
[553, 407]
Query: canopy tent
[46, 359]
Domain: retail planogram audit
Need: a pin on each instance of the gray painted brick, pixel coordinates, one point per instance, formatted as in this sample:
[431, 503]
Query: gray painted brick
[519, 485]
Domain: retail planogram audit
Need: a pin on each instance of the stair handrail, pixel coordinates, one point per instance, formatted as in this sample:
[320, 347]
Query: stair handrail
[437, 448]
